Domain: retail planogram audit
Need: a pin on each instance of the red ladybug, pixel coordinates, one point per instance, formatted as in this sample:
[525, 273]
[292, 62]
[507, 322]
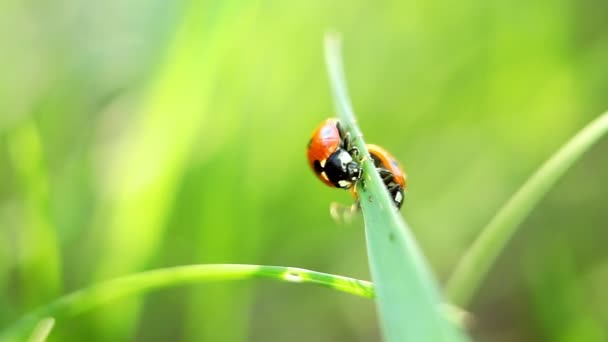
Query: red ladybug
[330, 155]
[390, 171]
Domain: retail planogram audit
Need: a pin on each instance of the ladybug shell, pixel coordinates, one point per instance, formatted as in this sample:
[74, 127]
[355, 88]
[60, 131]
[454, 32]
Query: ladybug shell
[384, 159]
[324, 142]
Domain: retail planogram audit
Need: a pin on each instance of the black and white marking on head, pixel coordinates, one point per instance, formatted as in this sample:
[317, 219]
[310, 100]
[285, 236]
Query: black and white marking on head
[341, 170]
[345, 184]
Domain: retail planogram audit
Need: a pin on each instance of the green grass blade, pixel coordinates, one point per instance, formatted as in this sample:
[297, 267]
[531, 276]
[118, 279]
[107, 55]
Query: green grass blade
[408, 299]
[146, 172]
[96, 295]
[39, 264]
[42, 330]
[481, 255]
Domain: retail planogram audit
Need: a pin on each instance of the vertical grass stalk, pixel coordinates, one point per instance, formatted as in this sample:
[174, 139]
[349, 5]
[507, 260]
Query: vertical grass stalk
[408, 299]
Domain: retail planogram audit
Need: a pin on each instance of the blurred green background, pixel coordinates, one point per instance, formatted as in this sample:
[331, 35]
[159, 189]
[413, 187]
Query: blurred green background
[143, 134]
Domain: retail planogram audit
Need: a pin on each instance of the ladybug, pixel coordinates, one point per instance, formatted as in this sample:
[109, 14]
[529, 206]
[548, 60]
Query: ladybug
[390, 171]
[332, 156]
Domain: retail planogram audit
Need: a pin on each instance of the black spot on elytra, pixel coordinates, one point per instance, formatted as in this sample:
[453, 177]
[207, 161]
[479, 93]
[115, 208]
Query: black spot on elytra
[318, 167]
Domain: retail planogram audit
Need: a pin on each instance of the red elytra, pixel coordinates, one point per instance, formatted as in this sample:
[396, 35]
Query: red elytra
[384, 159]
[324, 142]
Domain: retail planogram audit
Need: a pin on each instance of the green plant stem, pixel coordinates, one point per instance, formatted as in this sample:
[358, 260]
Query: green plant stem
[475, 264]
[89, 298]
[408, 299]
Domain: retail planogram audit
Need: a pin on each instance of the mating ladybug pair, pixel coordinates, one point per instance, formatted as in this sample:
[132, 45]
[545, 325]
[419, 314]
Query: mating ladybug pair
[336, 162]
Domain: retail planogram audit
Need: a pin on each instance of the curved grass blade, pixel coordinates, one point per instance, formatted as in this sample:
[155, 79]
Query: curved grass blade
[96, 295]
[42, 330]
[481, 255]
[408, 299]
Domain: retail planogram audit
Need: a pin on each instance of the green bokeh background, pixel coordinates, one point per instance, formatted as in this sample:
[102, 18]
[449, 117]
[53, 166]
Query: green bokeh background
[143, 134]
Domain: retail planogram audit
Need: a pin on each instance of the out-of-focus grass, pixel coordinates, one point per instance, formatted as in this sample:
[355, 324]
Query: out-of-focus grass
[35, 249]
[560, 298]
[470, 97]
[42, 330]
[144, 173]
[90, 298]
[475, 264]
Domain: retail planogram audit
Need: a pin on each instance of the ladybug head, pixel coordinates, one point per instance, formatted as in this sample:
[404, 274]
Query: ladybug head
[341, 169]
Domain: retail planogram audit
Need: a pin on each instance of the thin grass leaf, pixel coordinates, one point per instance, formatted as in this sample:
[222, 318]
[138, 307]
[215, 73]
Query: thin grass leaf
[408, 299]
[145, 173]
[42, 330]
[475, 264]
[39, 267]
[96, 295]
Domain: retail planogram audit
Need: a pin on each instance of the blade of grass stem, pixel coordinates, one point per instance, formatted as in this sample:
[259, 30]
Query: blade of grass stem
[475, 264]
[96, 295]
[408, 299]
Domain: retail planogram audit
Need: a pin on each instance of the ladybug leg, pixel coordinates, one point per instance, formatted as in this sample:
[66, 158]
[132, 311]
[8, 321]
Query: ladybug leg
[362, 182]
[351, 211]
[354, 152]
[344, 136]
[356, 206]
[385, 174]
[347, 143]
[340, 130]
[345, 140]
[334, 209]
[341, 213]
[393, 187]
